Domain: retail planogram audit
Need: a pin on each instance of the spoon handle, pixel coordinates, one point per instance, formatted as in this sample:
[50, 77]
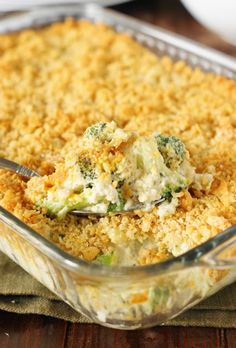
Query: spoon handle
[17, 168]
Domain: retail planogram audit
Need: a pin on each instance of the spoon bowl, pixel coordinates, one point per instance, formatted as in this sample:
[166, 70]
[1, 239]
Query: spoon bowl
[29, 173]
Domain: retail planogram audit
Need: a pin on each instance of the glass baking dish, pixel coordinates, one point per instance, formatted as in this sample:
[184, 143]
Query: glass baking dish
[125, 297]
[16, 5]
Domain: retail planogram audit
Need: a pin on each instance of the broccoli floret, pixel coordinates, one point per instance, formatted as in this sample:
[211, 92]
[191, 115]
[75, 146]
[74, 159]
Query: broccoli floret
[105, 259]
[96, 131]
[87, 168]
[167, 193]
[171, 188]
[116, 206]
[112, 207]
[62, 207]
[159, 296]
[172, 150]
[52, 208]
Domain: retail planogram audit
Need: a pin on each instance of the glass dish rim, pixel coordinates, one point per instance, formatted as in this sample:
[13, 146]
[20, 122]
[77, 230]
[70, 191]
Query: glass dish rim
[26, 6]
[193, 257]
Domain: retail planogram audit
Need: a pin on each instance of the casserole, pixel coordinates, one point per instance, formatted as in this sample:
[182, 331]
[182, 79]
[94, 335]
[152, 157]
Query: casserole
[141, 296]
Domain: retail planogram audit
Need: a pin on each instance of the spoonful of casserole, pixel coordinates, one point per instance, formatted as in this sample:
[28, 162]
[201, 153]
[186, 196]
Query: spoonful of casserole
[109, 170]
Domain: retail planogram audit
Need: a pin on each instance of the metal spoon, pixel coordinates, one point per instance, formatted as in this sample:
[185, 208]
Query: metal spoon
[29, 173]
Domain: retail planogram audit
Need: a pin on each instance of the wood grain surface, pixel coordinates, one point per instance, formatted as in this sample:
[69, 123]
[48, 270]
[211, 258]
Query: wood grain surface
[32, 331]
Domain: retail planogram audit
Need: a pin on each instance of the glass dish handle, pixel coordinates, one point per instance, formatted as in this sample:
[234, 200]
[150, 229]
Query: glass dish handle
[224, 253]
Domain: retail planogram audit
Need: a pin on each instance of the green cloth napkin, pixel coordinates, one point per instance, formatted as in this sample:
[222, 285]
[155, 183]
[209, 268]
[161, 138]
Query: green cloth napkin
[20, 293]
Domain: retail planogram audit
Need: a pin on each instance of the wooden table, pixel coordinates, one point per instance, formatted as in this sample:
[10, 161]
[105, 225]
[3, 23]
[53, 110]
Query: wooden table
[34, 331]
